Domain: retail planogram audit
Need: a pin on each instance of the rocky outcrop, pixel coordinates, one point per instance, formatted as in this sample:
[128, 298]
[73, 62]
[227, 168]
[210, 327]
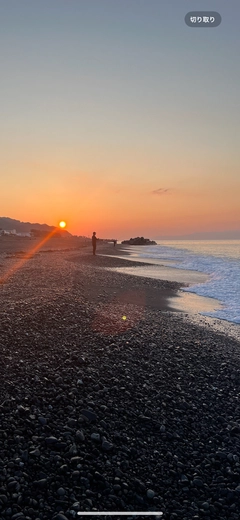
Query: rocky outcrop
[139, 241]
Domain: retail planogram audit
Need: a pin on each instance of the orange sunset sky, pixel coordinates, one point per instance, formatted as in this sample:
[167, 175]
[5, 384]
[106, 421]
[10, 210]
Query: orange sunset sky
[118, 117]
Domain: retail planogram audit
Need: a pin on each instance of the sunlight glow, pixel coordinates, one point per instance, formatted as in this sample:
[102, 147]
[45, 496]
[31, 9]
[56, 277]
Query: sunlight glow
[62, 224]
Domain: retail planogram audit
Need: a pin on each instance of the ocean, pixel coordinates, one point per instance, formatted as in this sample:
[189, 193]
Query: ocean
[218, 259]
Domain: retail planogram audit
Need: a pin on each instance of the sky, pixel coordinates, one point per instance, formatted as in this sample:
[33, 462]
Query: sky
[117, 117]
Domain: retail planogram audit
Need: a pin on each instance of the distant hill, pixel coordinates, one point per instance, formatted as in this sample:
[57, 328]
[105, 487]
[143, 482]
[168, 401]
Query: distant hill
[9, 224]
[211, 235]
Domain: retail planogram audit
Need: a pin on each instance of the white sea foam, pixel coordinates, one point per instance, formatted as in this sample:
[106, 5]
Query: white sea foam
[220, 261]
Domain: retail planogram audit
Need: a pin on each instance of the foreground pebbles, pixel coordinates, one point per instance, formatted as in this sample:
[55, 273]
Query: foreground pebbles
[100, 413]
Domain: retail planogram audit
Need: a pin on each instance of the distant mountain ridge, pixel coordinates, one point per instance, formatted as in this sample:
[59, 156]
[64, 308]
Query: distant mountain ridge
[9, 224]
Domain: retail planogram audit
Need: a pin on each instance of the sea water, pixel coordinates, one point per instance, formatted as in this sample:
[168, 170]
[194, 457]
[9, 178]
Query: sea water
[219, 259]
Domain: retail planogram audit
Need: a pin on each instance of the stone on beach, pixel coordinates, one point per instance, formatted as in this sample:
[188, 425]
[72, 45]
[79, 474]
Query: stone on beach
[155, 424]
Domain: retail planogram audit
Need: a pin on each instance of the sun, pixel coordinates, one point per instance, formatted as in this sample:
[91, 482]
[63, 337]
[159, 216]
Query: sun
[62, 224]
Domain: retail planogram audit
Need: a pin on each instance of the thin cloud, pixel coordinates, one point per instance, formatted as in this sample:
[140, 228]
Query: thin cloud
[160, 191]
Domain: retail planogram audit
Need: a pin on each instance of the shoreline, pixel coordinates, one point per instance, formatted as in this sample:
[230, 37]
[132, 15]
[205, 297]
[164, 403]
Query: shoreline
[105, 414]
[189, 305]
[163, 294]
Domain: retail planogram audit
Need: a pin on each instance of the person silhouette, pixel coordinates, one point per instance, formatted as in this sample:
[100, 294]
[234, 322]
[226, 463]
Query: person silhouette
[94, 242]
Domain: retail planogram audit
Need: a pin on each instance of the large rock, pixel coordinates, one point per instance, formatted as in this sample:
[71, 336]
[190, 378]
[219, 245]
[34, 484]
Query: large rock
[139, 241]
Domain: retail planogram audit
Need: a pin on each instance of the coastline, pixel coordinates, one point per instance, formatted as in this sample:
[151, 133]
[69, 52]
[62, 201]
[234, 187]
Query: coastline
[112, 414]
[188, 304]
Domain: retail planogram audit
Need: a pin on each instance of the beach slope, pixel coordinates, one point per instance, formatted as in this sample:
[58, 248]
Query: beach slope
[110, 401]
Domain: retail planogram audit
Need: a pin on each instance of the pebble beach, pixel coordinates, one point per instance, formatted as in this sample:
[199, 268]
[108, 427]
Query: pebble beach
[110, 400]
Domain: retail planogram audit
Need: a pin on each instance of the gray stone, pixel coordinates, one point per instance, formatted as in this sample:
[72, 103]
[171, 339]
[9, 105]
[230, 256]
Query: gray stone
[42, 421]
[76, 460]
[91, 416]
[42, 483]
[96, 437]
[107, 446]
[61, 491]
[198, 482]
[51, 440]
[150, 494]
[35, 453]
[80, 437]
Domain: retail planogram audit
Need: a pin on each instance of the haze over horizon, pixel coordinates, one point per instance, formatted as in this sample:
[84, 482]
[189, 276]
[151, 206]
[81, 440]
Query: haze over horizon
[10, 224]
[119, 118]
